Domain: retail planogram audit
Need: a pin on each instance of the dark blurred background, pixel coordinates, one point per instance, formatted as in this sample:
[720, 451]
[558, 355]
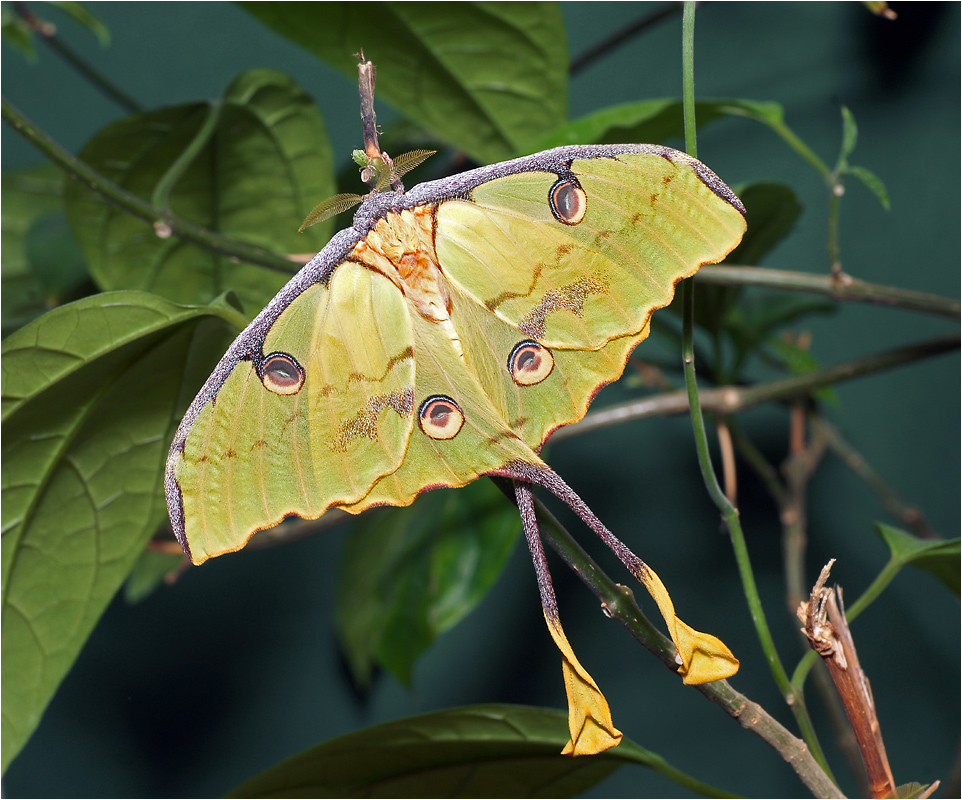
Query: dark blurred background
[235, 667]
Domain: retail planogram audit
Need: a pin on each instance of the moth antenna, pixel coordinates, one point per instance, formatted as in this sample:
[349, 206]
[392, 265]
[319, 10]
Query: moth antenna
[405, 162]
[330, 207]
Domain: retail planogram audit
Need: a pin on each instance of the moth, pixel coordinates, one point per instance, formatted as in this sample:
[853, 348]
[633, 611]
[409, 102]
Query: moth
[444, 336]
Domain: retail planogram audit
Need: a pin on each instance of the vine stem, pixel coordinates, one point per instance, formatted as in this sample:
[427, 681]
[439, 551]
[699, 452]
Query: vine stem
[792, 695]
[160, 197]
[165, 223]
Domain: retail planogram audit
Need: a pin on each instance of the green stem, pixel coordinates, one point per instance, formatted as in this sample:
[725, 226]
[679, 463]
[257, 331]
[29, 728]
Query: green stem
[164, 221]
[688, 76]
[160, 198]
[835, 192]
[793, 697]
[732, 399]
[46, 33]
[787, 134]
[619, 603]
[845, 288]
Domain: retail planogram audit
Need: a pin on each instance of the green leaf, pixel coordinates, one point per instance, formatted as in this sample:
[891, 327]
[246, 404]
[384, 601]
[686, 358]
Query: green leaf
[265, 165]
[800, 361]
[906, 791]
[652, 121]
[771, 212]
[849, 136]
[479, 751]
[658, 120]
[751, 322]
[42, 264]
[150, 570]
[486, 77]
[874, 184]
[938, 557]
[92, 392]
[409, 574]
[81, 14]
[17, 32]
[643, 121]
[772, 116]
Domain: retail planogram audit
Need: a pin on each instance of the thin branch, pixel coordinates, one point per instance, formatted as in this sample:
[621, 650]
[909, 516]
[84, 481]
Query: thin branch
[607, 45]
[164, 222]
[798, 469]
[840, 288]
[619, 603]
[910, 516]
[48, 33]
[732, 399]
[366, 77]
[729, 469]
[831, 638]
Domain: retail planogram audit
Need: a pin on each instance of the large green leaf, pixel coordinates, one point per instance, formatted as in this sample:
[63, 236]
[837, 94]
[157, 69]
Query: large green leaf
[479, 751]
[150, 570]
[252, 177]
[486, 77]
[771, 210]
[92, 392]
[658, 120]
[42, 265]
[938, 557]
[82, 15]
[650, 121]
[409, 574]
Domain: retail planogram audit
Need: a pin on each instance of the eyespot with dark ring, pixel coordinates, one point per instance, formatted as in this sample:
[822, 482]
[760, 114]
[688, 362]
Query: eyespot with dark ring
[568, 201]
[530, 363]
[440, 417]
[281, 374]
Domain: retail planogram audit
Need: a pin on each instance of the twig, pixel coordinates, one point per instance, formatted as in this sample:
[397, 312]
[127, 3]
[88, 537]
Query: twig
[830, 637]
[798, 468]
[845, 288]
[606, 46]
[732, 399]
[910, 516]
[729, 470]
[619, 603]
[366, 77]
[48, 33]
[164, 222]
